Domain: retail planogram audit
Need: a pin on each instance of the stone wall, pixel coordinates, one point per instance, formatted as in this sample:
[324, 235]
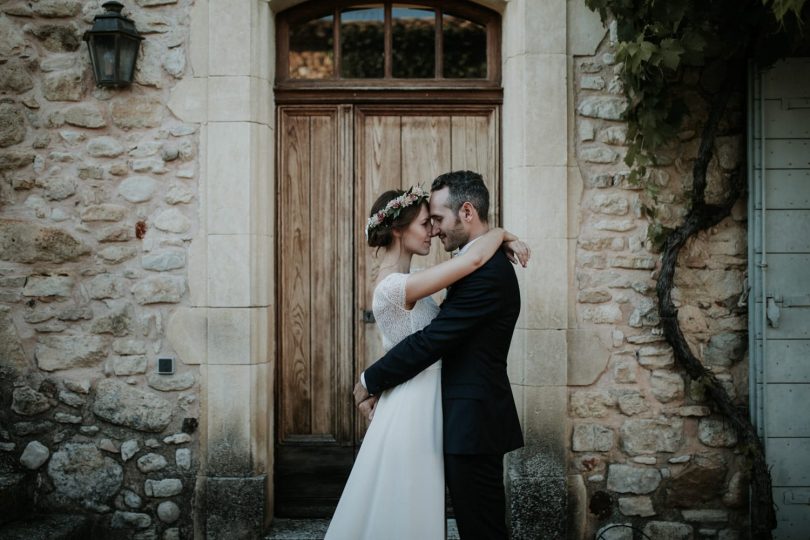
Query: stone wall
[98, 189]
[645, 448]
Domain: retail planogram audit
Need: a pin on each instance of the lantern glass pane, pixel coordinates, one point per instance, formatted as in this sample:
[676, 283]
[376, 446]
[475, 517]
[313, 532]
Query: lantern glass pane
[127, 55]
[104, 53]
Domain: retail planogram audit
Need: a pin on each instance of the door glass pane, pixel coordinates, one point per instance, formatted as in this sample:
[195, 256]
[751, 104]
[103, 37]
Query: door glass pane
[311, 52]
[413, 42]
[362, 43]
[465, 48]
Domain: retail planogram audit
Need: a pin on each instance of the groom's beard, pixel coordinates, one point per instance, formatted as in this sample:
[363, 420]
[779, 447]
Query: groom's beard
[455, 237]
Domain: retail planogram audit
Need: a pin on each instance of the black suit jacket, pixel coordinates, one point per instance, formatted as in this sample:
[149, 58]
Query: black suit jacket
[471, 334]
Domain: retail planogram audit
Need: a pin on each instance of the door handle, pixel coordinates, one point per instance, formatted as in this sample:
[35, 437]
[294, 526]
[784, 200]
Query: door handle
[773, 312]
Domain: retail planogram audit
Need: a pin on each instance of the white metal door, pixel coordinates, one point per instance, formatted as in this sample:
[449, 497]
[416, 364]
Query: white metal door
[779, 234]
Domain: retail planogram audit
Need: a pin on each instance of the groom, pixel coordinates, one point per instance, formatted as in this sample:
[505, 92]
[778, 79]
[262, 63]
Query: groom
[471, 334]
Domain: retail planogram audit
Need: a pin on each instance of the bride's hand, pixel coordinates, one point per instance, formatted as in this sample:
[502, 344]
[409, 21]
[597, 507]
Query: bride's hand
[517, 251]
[368, 406]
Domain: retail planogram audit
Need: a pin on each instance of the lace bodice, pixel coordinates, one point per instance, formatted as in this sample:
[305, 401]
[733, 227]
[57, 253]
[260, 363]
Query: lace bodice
[393, 320]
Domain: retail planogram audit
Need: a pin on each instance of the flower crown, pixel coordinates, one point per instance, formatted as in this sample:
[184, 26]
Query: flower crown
[415, 195]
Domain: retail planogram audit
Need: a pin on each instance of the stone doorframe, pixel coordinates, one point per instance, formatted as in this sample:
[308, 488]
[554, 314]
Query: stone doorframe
[229, 324]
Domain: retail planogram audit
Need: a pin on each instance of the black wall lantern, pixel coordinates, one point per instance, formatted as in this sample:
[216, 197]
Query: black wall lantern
[113, 43]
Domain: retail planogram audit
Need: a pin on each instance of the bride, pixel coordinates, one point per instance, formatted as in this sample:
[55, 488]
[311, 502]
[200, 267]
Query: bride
[396, 487]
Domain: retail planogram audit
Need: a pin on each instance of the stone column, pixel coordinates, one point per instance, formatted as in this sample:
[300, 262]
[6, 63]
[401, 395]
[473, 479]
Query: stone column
[535, 207]
[231, 263]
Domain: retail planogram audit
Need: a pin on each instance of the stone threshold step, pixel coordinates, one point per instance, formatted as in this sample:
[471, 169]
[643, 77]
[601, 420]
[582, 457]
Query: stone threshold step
[315, 529]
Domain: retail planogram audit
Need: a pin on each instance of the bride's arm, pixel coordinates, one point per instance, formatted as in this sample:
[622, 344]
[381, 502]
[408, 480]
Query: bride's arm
[423, 284]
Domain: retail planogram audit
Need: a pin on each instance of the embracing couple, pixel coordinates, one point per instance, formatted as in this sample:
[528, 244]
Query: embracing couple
[440, 401]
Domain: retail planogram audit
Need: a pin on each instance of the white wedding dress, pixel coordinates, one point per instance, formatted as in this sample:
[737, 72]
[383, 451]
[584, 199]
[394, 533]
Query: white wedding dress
[396, 487]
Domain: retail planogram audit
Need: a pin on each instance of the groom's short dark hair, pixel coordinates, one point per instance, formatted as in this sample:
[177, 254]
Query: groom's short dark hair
[464, 186]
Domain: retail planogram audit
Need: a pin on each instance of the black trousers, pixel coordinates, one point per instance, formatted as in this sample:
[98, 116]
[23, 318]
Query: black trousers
[476, 490]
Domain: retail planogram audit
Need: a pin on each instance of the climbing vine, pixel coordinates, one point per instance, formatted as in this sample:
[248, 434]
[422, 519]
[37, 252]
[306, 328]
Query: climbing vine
[656, 43]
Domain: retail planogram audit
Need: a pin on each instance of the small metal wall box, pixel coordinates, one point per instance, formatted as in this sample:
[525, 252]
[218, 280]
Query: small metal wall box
[165, 365]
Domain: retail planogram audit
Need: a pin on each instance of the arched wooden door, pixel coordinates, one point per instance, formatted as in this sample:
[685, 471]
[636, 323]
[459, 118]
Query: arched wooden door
[337, 150]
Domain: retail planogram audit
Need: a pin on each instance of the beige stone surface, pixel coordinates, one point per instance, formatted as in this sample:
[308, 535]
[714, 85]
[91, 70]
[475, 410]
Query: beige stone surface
[532, 202]
[238, 178]
[187, 332]
[545, 26]
[544, 416]
[231, 27]
[588, 355]
[227, 410]
[239, 269]
[189, 99]
[261, 428]
[584, 29]
[545, 302]
[198, 38]
[239, 335]
[546, 358]
[535, 103]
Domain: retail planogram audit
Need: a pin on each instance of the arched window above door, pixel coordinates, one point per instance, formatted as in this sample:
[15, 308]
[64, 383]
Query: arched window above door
[429, 43]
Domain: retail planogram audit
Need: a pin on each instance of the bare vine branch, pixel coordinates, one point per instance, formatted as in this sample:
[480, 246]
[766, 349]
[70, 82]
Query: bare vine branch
[700, 217]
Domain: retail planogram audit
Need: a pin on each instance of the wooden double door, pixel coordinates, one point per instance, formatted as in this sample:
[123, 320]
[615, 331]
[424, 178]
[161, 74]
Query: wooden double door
[333, 161]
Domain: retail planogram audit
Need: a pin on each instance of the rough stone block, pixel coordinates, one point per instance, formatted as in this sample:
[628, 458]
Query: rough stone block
[725, 349]
[171, 383]
[159, 289]
[122, 405]
[636, 506]
[67, 352]
[592, 438]
[164, 260]
[168, 487]
[14, 77]
[234, 507]
[632, 402]
[130, 520]
[129, 365]
[168, 512]
[591, 403]
[666, 386]
[13, 126]
[702, 480]
[608, 108]
[137, 112]
[716, 432]
[63, 85]
[537, 507]
[48, 285]
[629, 479]
[151, 462]
[668, 530]
[172, 220]
[643, 436]
[34, 455]
[80, 472]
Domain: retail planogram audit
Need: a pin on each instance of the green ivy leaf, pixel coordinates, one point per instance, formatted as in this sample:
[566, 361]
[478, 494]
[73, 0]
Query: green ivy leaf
[671, 51]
